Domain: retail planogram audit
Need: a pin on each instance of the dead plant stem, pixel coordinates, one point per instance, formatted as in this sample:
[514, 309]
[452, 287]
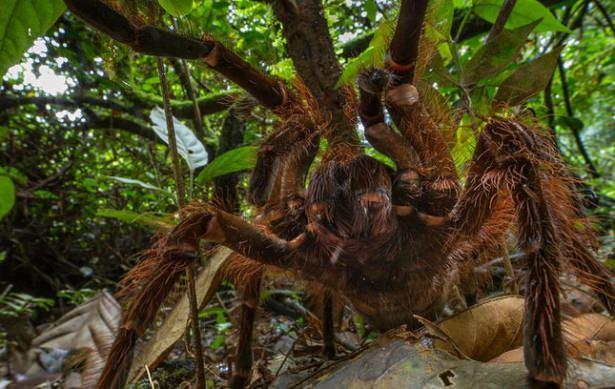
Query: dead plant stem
[179, 187]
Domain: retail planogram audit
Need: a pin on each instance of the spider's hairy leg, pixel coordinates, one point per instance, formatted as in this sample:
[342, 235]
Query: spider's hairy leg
[577, 235]
[284, 158]
[377, 132]
[246, 276]
[162, 43]
[146, 286]
[592, 273]
[510, 160]
[437, 168]
[143, 289]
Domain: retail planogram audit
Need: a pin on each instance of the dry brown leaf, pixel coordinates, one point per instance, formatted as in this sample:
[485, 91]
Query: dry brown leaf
[512, 356]
[171, 330]
[485, 330]
[588, 327]
[398, 363]
[591, 335]
[88, 331]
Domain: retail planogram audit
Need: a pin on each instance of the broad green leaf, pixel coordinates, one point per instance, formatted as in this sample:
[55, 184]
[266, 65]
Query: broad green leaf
[164, 221]
[493, 57]
[525, 11]
[176, 7]
[22, 21]
[438, 21]
[7, 195]
[236, 160]
[188, 146]
[527, 80]
[371, 8]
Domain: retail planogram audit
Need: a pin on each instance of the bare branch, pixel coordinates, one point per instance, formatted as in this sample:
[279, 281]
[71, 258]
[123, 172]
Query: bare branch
[501, 20]
[575, 132]
[162, 43]
[404, 48]
[309, 45]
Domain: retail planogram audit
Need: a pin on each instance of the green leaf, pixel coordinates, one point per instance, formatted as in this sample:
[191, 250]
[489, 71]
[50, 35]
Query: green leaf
[525, 11]
[176, 8]
[527, 80]
[493, 57]
[165, 221]
[7, 195]
[236, 160]
[22, 21]
[371, 9]
[132, 181]
[4, 132]
[438, 25]
[373, 56]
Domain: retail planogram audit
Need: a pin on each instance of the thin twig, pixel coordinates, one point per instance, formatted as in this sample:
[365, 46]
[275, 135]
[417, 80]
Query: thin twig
[575, 132]
[179, 187]
[501, 20]
[551, 112]
[149, 377]
[292, 346]
[179, 183]
[605, 14]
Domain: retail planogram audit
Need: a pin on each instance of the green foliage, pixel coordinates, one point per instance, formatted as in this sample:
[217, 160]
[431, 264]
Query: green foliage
[373, 56]
[22, 304]
[527, 80]
[7, 195]
[76, 229]
[21, 21]
[236, 160]
[176, 7]
[76, 297]
[496, 55]
[131, 181]
[524, 12]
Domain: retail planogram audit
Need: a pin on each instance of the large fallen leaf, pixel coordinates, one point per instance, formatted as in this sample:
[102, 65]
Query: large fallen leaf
[21, 21]
[486, 330]
[587, 336]
[397, 363]
[171, 330]
[88, 330]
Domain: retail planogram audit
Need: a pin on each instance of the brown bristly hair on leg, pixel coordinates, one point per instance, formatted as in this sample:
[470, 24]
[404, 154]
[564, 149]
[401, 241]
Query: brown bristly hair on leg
[145, 287]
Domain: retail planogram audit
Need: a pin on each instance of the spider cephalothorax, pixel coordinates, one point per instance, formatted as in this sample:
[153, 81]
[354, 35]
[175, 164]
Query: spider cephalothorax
[388, 239]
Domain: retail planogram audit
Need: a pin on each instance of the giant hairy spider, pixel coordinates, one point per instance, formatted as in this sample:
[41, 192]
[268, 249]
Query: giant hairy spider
[386, 239]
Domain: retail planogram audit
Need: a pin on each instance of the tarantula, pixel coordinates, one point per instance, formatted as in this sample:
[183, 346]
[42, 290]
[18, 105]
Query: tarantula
[386, 239]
